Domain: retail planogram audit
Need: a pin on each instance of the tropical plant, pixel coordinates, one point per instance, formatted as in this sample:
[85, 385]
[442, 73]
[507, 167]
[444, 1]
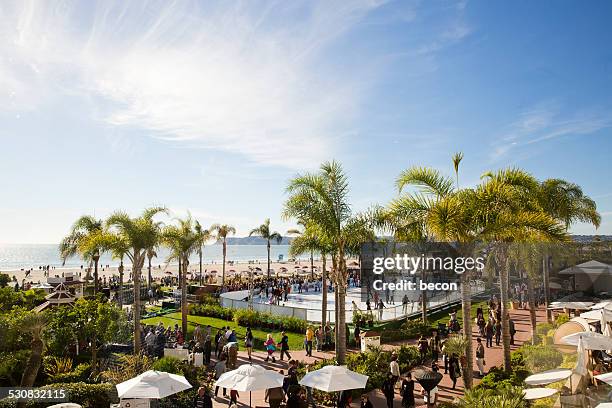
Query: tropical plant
[203, 236]
[127, 367]
[183, 240]
[140, 233]
[76, 242]
[506, 397]
[57, 365]
[34, 324]
[264, 231]
[455, 344]
[321, 199]
[220, 233]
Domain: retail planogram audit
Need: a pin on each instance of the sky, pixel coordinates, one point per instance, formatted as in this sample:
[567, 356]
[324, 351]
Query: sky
[213, 106]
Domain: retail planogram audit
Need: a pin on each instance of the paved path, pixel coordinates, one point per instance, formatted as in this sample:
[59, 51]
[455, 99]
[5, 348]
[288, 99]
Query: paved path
[493, 357]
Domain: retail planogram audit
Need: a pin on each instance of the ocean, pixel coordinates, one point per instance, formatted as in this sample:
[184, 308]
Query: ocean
[17, 256]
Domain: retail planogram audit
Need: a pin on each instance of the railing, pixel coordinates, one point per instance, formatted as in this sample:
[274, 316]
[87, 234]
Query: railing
[390, 312]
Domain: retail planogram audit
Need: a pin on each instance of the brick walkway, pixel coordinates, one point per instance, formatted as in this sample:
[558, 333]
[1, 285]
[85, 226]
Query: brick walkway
[493, 357]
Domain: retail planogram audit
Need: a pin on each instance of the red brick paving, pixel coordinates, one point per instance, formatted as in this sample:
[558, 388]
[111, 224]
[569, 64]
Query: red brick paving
[493, 357]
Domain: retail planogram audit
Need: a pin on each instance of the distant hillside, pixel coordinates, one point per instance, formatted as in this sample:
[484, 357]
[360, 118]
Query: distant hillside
[254, 241]
[591, 238]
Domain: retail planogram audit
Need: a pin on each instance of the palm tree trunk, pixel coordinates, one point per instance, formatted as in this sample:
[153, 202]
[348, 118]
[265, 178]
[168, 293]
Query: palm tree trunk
[311, 264]
[201, 277]
[33, 365]
[268, 259]
[149, 273]
[466, 306]
[96, 259]
[532, 308]
[341, 308]
[136, 279]
[184, 296]
[223, 273]
[503, 286]
[546, 287]
[324, 294]
[121, 283]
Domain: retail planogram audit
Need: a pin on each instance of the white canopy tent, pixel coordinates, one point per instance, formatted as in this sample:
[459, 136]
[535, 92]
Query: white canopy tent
[607, 378]
[590, 340]
[250, 378]
[548, 377]
[334, 378]
[538, 393]
[591, 275]
[152, 385]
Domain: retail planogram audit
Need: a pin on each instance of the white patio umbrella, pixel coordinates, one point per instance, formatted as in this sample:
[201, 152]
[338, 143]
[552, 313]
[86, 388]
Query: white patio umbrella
[547, 377]
[592, 315]
[602, 305]
[537, 393]
[250, 378]
[607, 378]
[590, 340]
[65, 405]
[571, 305]
[604, 405]
[152, 385]
[334, 378]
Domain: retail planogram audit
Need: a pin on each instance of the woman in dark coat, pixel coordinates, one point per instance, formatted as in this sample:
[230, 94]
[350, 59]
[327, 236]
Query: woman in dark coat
[388, 392]
[407, 391]
[454, 370]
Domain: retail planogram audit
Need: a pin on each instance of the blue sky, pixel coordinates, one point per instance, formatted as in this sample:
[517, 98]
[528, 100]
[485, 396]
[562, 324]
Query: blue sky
[213, 106]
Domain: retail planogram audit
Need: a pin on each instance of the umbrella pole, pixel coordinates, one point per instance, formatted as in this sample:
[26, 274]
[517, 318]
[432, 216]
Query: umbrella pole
[250, 394]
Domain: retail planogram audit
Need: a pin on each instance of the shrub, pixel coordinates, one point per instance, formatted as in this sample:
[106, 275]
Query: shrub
[12, 366]
[541, 357]
[169, 364]
[57, 365]
[416, 328]
[80, 374]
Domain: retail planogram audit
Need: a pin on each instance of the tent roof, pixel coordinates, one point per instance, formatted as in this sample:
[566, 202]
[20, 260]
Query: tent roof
[590, 268]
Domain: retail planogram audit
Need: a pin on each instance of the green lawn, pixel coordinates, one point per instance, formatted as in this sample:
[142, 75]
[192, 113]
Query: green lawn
[296, 340]
[444, 317]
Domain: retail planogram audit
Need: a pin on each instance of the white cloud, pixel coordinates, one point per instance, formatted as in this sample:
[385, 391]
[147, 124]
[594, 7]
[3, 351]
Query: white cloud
[547, 121]
[236, 77]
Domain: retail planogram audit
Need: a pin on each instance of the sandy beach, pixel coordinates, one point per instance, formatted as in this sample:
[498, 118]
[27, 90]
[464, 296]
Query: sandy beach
[163, 269]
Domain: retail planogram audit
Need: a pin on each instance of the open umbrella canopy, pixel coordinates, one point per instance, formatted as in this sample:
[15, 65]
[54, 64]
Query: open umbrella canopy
[607, 378]
[601, 305]
[65, 405]
[152, 384]
[571, 305]
[250, 378]
[592, 315]
[604, 405]
[334, 378]
[537, 393]
[590, 340]
[547, 377]
[428, 379]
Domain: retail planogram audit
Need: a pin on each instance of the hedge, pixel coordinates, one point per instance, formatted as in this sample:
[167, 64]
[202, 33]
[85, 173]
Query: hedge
[245, 317]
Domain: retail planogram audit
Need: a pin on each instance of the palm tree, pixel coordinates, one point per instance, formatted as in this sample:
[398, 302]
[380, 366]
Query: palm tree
[151, 253]
[457, 157]
[83, 229]
[183, 241]
[203, 235]
[140, 234]
[119, 248]
[220, 233]
[510, 213]
[34, 324]
[321, 199]
[308, 240]
[567, 203]
[264, 231]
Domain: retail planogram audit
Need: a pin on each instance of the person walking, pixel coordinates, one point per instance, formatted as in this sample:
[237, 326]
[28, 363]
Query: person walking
[454, 370]
[220, 368]
[498, 332]
[233, 400]
[407, 391]
[512, 331]
[275, 396]
[423, 346]
[284, 346]
[434, 345]
[489, 332]
[202, 399]
[270, 346]
[388, 390]
[248, 342]
[309, 339]
[365, 401]
[394, 369]
[480, 356]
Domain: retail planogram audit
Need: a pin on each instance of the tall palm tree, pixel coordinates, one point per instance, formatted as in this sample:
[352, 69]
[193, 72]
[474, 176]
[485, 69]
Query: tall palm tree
[34, 324]
[203, 235]
[140, 233]
[308, 240]
[151, 253]
[457, 157]
[220, 233]
[83, 229]
[321, 199]
[183, 241]
[566, 202]
[264, 231]
[119, 248]
[510, 213]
